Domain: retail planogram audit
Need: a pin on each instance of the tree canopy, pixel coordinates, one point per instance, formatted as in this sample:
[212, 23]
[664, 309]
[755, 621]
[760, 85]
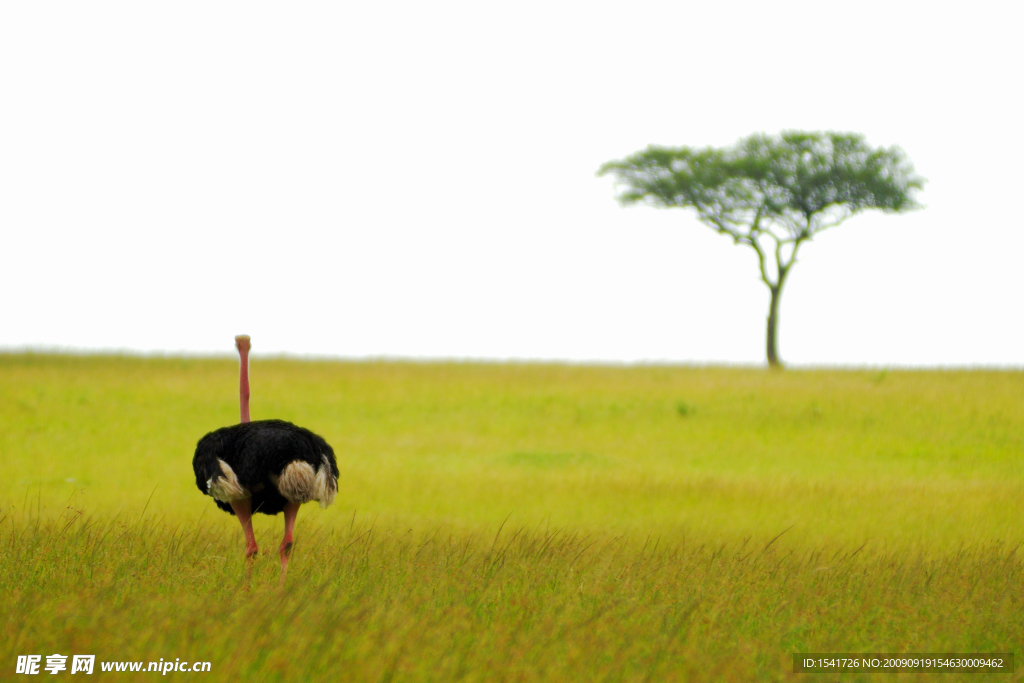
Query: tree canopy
[772, 192]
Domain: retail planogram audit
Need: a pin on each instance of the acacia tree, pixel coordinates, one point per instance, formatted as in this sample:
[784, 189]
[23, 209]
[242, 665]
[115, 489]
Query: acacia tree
[771, 192]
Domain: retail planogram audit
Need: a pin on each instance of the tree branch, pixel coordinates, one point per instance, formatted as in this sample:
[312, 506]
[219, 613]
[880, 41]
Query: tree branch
[751, 239]
[838, 221]
[719, 224]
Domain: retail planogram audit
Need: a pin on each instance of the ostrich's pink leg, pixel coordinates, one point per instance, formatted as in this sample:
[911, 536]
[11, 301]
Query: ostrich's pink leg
[243, 510]
[242, 344]
[291, 510]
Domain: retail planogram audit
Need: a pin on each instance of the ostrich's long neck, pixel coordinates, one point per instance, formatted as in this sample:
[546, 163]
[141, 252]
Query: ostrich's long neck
[242, 344]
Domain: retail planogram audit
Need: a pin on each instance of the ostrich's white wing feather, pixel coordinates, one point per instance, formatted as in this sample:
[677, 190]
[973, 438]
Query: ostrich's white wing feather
[226, 487]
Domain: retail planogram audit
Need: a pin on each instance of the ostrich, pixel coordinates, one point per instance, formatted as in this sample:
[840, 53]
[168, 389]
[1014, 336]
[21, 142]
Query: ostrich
[267, 466]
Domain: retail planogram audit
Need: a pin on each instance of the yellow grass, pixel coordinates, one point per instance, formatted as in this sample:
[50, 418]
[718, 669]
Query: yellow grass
[638, 508]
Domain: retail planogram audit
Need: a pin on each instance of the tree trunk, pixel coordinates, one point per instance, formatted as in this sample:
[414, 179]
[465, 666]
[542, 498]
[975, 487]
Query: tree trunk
[773, 328]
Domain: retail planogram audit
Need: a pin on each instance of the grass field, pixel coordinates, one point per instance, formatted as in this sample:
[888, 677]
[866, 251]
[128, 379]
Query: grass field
[517, 521]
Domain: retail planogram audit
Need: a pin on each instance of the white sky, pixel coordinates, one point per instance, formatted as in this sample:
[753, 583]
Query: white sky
[417, 179]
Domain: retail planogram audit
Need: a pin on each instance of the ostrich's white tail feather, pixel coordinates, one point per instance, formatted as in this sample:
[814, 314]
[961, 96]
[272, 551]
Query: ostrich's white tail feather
[226, 487]
[326, 484]
[296, 482]
[300, 484]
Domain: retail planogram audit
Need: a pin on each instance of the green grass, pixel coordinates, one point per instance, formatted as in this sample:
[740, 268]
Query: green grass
[639, 508]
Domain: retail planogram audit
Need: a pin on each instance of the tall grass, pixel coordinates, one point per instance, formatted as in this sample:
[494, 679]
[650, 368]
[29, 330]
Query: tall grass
[367, 603]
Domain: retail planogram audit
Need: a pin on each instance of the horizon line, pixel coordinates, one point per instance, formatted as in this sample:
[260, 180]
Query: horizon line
[74, 351]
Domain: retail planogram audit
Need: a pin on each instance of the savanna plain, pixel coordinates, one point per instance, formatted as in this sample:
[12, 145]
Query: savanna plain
[517, 522]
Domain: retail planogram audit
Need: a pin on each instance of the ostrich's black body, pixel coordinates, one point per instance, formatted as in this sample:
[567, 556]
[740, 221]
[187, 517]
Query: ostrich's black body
[255, 451]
